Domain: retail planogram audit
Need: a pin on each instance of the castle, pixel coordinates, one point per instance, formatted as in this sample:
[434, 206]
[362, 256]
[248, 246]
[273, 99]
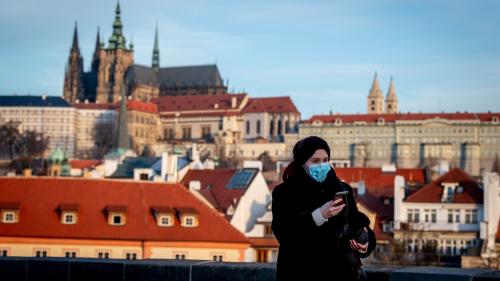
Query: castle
[113, 64]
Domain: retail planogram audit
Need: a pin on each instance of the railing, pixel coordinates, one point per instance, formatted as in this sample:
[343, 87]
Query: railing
[57, 269]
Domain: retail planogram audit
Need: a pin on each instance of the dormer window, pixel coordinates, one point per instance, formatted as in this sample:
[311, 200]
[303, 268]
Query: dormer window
[164, 216]
[117, 215]
[68, 213]
[494, 119]
[188, 217]
[448, 191]
[338, 122]
[381, 121]
[9, 212]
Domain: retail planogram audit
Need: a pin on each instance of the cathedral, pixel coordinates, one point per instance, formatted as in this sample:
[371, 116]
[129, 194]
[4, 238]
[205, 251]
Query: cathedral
[113, 64]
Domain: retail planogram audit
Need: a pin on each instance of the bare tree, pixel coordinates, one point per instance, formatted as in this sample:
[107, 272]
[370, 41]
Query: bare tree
[33, 144]
[9, 137]
[267, 162]
[104, 134]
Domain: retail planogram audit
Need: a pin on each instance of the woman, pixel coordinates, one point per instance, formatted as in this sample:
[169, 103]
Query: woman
[321, 237]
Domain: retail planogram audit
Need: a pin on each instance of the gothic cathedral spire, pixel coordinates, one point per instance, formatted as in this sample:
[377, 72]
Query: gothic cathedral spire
[73, 86]
[375, 98]
[117, 40]
[156, 52]
[391, 100]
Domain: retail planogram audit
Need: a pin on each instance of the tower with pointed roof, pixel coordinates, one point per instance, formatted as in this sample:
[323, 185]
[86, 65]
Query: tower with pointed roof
[123, 139]
[391, 100]
[156, 52]
[375, 98]
[113, 63]
[73, 86]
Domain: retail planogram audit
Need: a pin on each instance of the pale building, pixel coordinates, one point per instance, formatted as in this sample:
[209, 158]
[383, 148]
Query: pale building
[466, 140]
[52, 116]
[490, 227]
[264, 245]
[111, 219]
[445, 214]
[88, 115]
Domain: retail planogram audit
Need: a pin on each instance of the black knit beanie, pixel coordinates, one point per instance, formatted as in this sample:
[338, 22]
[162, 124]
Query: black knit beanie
[306, 147]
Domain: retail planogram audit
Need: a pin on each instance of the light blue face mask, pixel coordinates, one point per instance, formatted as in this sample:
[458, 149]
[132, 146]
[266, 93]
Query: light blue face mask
[318, 171]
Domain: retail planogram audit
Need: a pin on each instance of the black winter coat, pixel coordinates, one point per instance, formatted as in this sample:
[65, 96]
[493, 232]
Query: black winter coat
[309, 252]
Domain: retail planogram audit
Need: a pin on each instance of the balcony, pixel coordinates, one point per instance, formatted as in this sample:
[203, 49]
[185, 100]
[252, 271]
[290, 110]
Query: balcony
[57, 269]
[444, 226]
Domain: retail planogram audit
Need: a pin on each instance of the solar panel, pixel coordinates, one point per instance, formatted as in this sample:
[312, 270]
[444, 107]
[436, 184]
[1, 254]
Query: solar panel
[241, 179]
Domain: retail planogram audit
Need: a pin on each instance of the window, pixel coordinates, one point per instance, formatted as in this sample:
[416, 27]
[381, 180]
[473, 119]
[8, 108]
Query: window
[268, 230]
[4, 252]
[41, 253]
[468, 216]
[433, 215]
[450, 216]
[426, 215]
[103, 255]
[410, 215]
[261, 255]
[169, 133]
[189, 221]
[186, 133]
[257, 127]
[416, 215]
[217, 258]
[248, 127]
[117, 219]
[70, 254]
[457, 215]
[180, 256]
[474, 216]
[68, 218]
[131, 256]
[9, 216]
[165, 220]
[206, 132]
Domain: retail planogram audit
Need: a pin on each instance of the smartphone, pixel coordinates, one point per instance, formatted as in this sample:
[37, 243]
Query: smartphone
[341, 194]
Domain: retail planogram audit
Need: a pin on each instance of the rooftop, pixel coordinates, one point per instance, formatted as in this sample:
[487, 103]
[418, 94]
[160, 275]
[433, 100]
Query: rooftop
[33, 101]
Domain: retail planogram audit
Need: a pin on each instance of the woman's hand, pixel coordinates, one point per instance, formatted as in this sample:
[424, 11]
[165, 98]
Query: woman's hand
[332, 208]
[362, 248]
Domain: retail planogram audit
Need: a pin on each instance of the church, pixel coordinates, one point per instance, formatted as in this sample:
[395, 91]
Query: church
[113, 64]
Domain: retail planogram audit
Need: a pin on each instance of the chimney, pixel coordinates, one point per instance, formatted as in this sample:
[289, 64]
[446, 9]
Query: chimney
[86, 101]
[195, 185]
[233, 102]
[399, 195]
[216, 105]
[361, 187]
[164, 164]
[77, 101]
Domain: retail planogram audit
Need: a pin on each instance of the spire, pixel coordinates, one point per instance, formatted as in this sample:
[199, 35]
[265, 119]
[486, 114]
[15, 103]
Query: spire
[391, 93]
[97, 42]
[156, 51]
[117, 40]
[375, 91]
[123, 139]
[74, 46]
[95, 58]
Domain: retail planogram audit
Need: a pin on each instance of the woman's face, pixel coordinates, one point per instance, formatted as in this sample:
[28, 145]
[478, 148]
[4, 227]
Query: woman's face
[319, 156]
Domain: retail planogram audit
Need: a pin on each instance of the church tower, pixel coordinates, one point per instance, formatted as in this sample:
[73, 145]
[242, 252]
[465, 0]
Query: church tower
[156, 52]
[113, 63]
[375, 98]
[391, 100]
[73, 82]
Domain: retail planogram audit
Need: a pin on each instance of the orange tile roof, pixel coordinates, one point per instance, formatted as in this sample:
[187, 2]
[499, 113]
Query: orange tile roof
[261, 242]
[433, 192]
[198, 102]
[84, 163]
[389, 118]
[270, 104]
[213, 187]
[40, 197]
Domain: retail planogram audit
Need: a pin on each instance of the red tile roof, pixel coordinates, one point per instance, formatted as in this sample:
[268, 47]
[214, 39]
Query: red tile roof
[137, 105]
[432, 193]
[84, 163]
[213, 187]
[199, 103]
[261, 242]
[380, 183]
[271, 105]
[389, 118]
[40, 197]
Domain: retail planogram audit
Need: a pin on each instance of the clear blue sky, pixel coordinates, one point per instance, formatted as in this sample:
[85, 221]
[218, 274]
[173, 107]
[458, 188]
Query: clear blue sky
[444, 55]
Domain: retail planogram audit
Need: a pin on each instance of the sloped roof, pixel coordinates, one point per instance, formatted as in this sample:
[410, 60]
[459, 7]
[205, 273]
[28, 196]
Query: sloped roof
[433, 192]
[40, 197]
[264, 242]
[271, 105]
[213, 187]
[84, 163]
[173, 77]
[33, 101]
[390, 118]
[196, 103]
